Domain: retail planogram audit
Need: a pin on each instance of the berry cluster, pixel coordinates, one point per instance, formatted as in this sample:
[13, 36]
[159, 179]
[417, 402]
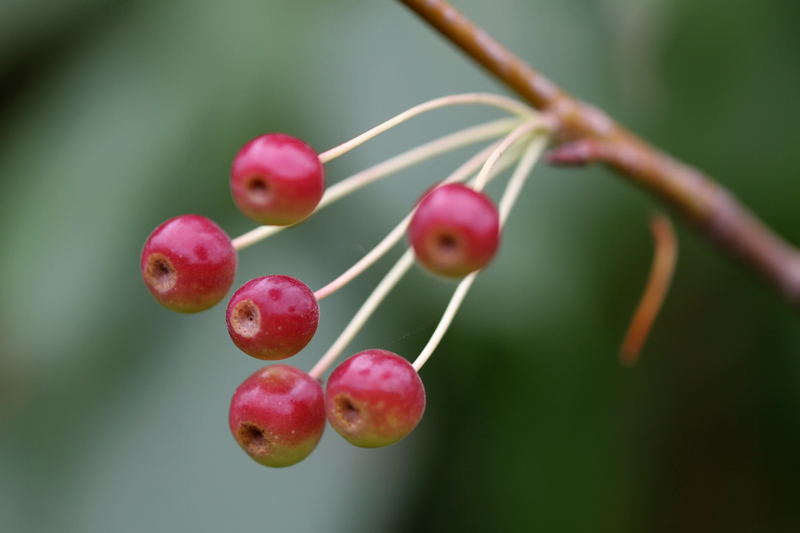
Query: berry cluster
[374, 398]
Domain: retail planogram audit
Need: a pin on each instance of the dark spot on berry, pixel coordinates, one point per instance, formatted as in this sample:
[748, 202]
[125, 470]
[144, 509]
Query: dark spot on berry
[201, 252]
[160, 273]
[274, 294]
[447, 243]
[349, 415]
[253, 439]
[258, 190]
[246, 318]
[447, 249]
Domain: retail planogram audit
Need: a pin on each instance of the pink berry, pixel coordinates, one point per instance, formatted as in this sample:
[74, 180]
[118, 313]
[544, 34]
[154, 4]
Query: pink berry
[188, 263]
[455, 230]
[277, 179]
[272, 317]
[375, 398]
[277, 415]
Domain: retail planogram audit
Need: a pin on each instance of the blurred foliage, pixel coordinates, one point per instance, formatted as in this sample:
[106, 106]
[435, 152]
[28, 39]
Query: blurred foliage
[115, 116]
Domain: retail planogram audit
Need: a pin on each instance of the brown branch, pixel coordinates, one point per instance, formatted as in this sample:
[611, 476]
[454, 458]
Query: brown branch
[592, 136]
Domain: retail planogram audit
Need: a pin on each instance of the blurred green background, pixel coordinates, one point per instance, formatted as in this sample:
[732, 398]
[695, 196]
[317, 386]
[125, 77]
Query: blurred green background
[117, 115]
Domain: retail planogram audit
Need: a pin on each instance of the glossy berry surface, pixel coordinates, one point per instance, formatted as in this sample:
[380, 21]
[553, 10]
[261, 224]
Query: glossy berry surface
[277, 179]
[277, 415]
[188, 263]
[455, 230]
[374, 398]
[272, 317]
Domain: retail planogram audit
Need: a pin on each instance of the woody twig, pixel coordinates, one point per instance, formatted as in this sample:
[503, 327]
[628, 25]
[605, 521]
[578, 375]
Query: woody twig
[587, 135]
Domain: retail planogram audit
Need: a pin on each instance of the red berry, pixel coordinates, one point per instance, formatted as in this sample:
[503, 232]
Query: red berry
[272, 317]
[277, 179]
[277, 415]
[375, 398]
[188, 263]
[455, 230]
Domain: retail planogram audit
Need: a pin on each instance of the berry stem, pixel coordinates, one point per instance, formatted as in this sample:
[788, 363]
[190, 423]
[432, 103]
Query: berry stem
[367, 261]
[514, 186]
[447, 318]
[363, 314]
[512, 106]
[256, 235]
[510, 195]
[407, 159]
[518, 132]
[417, 155]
